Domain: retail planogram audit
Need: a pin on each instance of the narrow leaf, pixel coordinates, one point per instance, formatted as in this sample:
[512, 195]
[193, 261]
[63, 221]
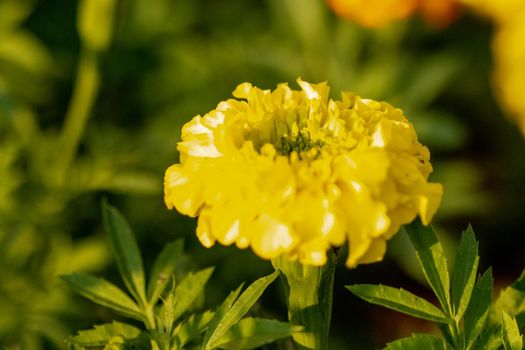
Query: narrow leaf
[398, 300]
[126, 251]
[219, 315]
[242, 306]
[510, 333]
[189, 289]
[520, 318]
[166, 311]
[104, 293]
[191, 328]
[163, 270]
[101, 334]
[464, 273]
[478, 308]
[419, 342]
[430, 254]
[251, 333]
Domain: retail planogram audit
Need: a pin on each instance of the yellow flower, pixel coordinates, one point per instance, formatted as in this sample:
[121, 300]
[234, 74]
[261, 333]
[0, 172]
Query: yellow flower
[296, 173]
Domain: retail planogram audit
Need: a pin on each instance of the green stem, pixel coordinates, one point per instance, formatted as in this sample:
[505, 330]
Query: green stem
[309, 294]
[149, 316]
[84, 94]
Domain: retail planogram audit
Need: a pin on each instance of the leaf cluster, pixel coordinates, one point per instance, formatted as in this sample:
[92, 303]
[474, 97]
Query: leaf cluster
[168, 319]
[467, 315]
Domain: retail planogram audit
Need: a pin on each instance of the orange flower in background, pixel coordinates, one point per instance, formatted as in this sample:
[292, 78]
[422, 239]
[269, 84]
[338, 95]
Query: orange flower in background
[373, 13]
[439, 13]
[378, 13]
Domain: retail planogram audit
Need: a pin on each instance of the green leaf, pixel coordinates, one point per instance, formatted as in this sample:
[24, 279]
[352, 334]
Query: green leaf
[430, 254]
[104, 293]
[188, 290]
[430, 79]
[520, 318]
[510, 333]
[191, 328]
[251, 333]
[419, 342]
[511, 300]
[240, 308]
[478, 308]
[126, 251]
[464, 273]
[219, 315]
[101, 334]
[490, 339]
[399, 300]
[163, 269]
[166, 311]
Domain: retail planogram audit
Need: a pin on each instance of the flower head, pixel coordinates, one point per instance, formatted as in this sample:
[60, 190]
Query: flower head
[296, 173]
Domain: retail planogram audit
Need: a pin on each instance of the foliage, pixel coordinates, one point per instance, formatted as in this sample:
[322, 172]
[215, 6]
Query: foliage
[467, 316]
[173, 323]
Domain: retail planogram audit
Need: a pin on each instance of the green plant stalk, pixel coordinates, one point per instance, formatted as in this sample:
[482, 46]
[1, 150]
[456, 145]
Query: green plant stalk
[84, 93]
[309, 294]
[149, 316]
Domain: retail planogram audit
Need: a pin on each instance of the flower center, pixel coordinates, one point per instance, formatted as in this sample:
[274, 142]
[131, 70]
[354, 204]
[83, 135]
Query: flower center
[299, 143]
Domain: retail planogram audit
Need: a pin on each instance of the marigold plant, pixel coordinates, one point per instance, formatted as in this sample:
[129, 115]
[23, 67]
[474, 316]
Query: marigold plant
[295, 173]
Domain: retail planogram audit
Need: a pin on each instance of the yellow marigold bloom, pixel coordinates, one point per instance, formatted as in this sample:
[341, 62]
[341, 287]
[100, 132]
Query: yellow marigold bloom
[296, 173]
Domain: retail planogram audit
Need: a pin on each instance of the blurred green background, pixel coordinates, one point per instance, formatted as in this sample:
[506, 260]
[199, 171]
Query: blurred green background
[92, 99]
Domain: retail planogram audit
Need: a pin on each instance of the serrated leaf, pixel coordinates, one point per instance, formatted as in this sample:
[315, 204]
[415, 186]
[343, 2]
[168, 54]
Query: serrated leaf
[429, 252]
[219, 315]
[241, 306]
[251, 333]
[189, 289]
[419, 342]
[399, 300]
[478, 308]
[191, 328]
[464, 272]
[126, 251]
[101, 334]
[510, 336]
[163, 270]
[104, 293]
